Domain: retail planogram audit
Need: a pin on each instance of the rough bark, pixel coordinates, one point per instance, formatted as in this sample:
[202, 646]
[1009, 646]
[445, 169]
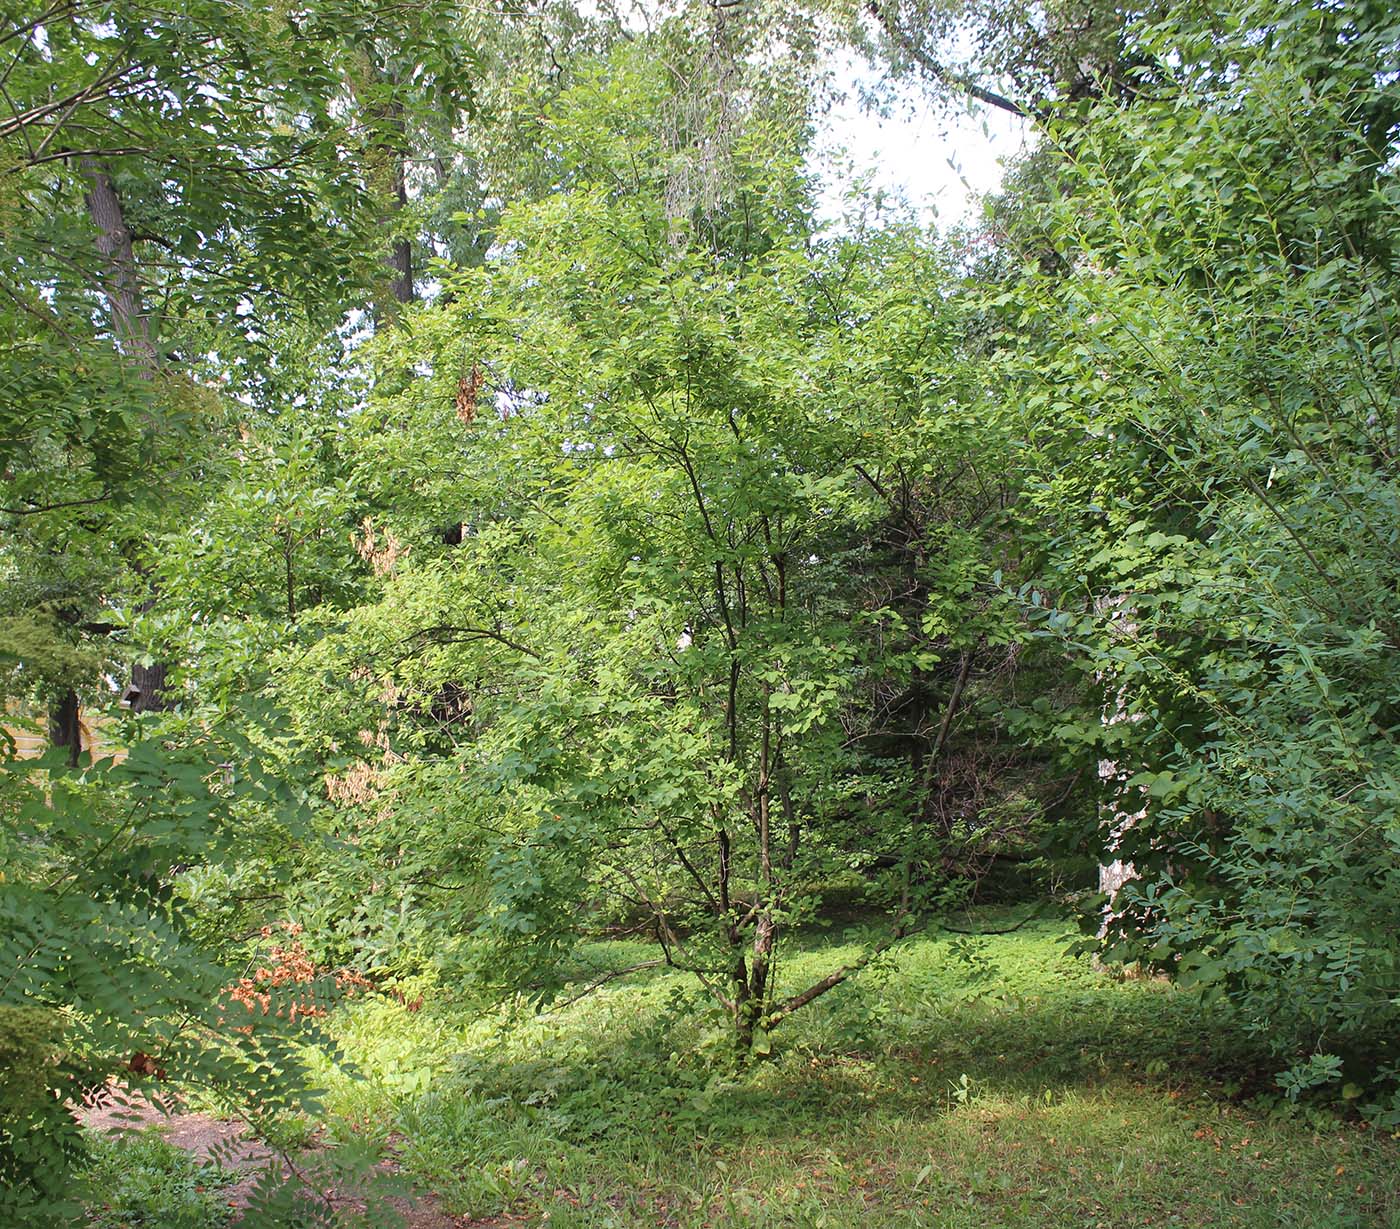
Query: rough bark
[122, 288]
[401, 257]
[147, 693]
[121, 275]
[65, 728]
[393, 149]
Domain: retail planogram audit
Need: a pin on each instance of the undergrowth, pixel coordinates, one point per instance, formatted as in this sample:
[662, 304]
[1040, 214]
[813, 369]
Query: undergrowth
[137, 1180]
[963, 1082]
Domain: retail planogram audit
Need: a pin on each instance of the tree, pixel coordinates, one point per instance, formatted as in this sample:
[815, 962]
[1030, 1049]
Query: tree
[1214, 403]
[178, 186]
[1020, 60]
[654, 676]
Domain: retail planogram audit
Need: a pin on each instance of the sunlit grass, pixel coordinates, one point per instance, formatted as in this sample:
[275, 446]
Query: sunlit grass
[997, 1083]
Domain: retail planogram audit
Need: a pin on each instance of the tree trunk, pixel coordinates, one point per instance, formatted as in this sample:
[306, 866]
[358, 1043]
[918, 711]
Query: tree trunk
[401, 258]
[393, 149]
[765, 931]
[147, 693]
[132, 328]
[122, 286]
[754, 1010]
[65, 729]
[1116, 819]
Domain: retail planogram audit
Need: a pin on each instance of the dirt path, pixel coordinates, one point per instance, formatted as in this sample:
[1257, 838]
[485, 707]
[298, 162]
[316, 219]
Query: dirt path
[228, 1144]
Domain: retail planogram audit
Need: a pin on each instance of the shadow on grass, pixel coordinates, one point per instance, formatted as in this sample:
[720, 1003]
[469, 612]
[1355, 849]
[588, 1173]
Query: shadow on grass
[995, 1097]
[629, 1068]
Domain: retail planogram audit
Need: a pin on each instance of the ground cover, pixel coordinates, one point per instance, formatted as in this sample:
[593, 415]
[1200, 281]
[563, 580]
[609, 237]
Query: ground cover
[995, 1081]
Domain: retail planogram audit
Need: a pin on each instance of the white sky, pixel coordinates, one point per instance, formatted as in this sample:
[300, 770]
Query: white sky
[938, 160]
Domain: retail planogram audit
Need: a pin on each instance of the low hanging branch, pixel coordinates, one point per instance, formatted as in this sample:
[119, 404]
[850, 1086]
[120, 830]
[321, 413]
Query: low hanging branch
[1036, 912]
[784, 1009]
[902, 931]
[34, 509]
[598, 983]
[449, 634]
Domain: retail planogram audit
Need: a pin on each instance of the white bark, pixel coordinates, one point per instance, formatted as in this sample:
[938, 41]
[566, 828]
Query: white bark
[1116, 817]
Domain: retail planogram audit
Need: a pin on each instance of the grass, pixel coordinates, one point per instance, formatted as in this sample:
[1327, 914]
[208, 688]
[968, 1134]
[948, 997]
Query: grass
[996, 1082]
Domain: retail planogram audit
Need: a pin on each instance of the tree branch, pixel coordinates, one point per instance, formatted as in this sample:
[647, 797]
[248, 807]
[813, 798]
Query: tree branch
[33, 509]
[603, 981]
[902, 931]
[1005, 930]
[936, 70]
[447, 634]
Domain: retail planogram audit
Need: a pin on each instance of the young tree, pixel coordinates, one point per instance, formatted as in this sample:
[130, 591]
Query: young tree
[654, 677]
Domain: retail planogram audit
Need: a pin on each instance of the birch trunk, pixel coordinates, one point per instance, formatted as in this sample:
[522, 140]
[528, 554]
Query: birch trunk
[1117, 815]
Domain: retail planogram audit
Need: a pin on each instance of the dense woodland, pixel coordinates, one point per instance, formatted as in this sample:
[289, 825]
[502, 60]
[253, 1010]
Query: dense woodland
[477, 541]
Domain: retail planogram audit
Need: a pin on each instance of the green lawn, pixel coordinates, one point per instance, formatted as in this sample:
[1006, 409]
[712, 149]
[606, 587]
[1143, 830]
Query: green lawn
[1039, 1093]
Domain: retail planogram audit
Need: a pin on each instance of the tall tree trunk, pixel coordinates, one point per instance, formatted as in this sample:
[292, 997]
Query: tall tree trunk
[389, 174]
[122, 288]
[401, 257]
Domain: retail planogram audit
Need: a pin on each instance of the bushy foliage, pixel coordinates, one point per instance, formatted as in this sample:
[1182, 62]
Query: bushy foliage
[682, 561]
[37, 1143]
[139, 1180]
[105, 970]
[721, 569]
[1214, 421]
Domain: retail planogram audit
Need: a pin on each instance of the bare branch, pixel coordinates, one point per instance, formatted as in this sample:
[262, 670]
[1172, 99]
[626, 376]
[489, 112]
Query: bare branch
[902, 931]
[34, 509]
[937, 71]
[448, 634]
